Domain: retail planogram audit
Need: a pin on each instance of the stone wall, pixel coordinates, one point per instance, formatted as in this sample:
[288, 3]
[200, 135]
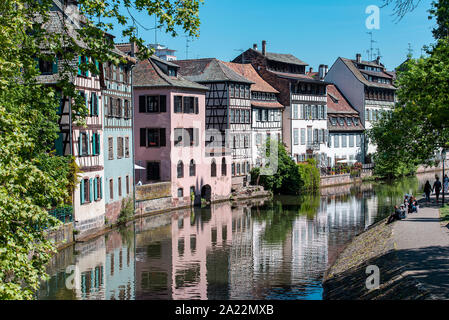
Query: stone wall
[153, 191]
[327, 181]
[63, 236]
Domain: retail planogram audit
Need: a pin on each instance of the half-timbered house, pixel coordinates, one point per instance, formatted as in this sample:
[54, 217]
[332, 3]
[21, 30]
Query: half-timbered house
[85, 143]
[304, 122]
[228, 110]
[266, 111]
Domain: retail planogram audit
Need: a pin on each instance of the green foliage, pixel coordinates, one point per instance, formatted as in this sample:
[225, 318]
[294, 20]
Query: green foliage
[127, 210]
[444, 213]
[310, 176]
[33, 179]
[440, 12]
[285, 179]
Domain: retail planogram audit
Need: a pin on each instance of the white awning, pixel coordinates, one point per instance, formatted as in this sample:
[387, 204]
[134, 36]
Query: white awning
[138, 167]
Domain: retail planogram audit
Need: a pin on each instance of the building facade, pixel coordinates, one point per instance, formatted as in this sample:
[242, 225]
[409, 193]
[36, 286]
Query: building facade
[170, 134]
[346, 132]
[228, 111]
[304, 98]
[118, 135]
[367, 86]
[266, 112]
[84, 143]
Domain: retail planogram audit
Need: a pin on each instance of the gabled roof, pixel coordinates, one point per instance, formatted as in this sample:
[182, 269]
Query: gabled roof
[337, 103]
[282, 57]
[248, 71]
[358, 74]
[148, 74]
[208, 70]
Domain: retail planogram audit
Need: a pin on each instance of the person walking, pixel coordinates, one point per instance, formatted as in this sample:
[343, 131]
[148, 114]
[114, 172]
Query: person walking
[437, 187]
[427, 190]
[445, 183]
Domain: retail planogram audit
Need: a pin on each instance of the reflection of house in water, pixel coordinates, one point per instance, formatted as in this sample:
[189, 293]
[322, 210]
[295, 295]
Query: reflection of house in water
[198, 239]
[241, 263]
[119, 276]
[153, 258]
[89, 277]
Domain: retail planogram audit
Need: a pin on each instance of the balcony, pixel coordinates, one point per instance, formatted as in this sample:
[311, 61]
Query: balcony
[315, 146]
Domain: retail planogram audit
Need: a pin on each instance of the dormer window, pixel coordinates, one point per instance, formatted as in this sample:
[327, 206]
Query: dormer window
[348, 122]
[341, 121]
[356, 121]
[172, 72]
[334, 121]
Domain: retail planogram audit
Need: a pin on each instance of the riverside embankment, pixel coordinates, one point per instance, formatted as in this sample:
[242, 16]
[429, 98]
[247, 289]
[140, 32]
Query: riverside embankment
[412, 256]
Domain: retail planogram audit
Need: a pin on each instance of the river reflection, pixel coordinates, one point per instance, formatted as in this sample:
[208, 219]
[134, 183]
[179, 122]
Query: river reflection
[276, 249]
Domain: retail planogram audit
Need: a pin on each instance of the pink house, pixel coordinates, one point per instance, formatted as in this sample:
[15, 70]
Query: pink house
[170, 135]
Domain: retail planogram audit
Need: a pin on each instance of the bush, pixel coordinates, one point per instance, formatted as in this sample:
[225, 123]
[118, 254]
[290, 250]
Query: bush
[310, 176]
[127, 211]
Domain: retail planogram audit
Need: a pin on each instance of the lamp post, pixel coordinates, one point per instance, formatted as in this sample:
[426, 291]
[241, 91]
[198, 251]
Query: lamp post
[443, 157]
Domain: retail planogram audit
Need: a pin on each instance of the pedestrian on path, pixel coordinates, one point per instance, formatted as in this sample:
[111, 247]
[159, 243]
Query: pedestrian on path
[446, 183]
[427, 190]
[437, 187]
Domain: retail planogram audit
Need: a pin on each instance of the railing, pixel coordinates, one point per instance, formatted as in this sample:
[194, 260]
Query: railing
[64, 214]
[313, 146]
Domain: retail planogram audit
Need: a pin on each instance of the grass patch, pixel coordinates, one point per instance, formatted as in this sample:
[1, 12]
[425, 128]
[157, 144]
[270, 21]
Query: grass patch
[444, 213]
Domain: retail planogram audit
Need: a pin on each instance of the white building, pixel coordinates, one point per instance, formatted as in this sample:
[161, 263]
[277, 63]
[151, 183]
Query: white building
[345, 144]
[367, 85]
[163, 52]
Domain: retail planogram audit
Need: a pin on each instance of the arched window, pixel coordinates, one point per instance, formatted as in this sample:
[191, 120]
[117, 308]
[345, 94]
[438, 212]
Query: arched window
[213, 169]
[192, 168]
[223, 166]
[180, 169]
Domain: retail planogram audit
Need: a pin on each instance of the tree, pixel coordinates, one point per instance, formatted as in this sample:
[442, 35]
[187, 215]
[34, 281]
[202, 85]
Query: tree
[440, 12]
[417, 128]
[33, 178]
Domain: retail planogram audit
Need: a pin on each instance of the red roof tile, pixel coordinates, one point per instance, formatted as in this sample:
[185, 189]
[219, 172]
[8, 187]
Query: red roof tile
[248, 71]
[336, 102]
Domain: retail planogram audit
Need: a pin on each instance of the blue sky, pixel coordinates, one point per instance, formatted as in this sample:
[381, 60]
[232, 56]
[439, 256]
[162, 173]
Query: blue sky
[316, 32]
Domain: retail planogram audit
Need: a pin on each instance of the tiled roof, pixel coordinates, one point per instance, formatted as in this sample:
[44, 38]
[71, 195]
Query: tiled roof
[377, 74]
[148, 74]
[357, 73]
[296, 76]
[266, 104]
[283, 57]
[208, 70]
[248, 71]
[336, 102]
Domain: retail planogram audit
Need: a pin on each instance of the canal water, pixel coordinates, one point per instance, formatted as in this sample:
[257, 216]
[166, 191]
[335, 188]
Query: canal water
[275, 249]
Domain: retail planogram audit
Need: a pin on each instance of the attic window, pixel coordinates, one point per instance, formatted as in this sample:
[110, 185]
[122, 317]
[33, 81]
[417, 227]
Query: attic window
[356, 121]
[334, 98]
[172, 72]
[341, 121]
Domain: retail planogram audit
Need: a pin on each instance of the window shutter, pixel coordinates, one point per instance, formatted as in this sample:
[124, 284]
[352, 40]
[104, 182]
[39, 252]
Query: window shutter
[101, 187]
[143, 137]
[80, 144]
[55, 66]
[142, 106]
[80, 73]
[88, 143]
[94, 144]
[91, 194]
[98, 144]
[197, 107]
[96, 104]
[163, 142]
[95, 183]
[82, 191]
[163, 103]
[184, 105]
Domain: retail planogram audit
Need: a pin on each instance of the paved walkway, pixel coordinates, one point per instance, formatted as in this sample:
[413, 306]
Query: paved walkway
[422, 244]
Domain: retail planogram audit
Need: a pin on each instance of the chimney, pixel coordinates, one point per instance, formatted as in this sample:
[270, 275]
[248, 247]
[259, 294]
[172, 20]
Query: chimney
[326, 70]
[264, 47]
[358, 57]
[255, 46]
[378, 60]
[133, 50]
[322, 71]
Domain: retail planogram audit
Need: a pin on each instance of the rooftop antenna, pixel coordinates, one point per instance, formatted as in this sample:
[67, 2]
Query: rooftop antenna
[371, 45]
[155, 30]
[378, 53]
[410, 50]
[187, 46]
